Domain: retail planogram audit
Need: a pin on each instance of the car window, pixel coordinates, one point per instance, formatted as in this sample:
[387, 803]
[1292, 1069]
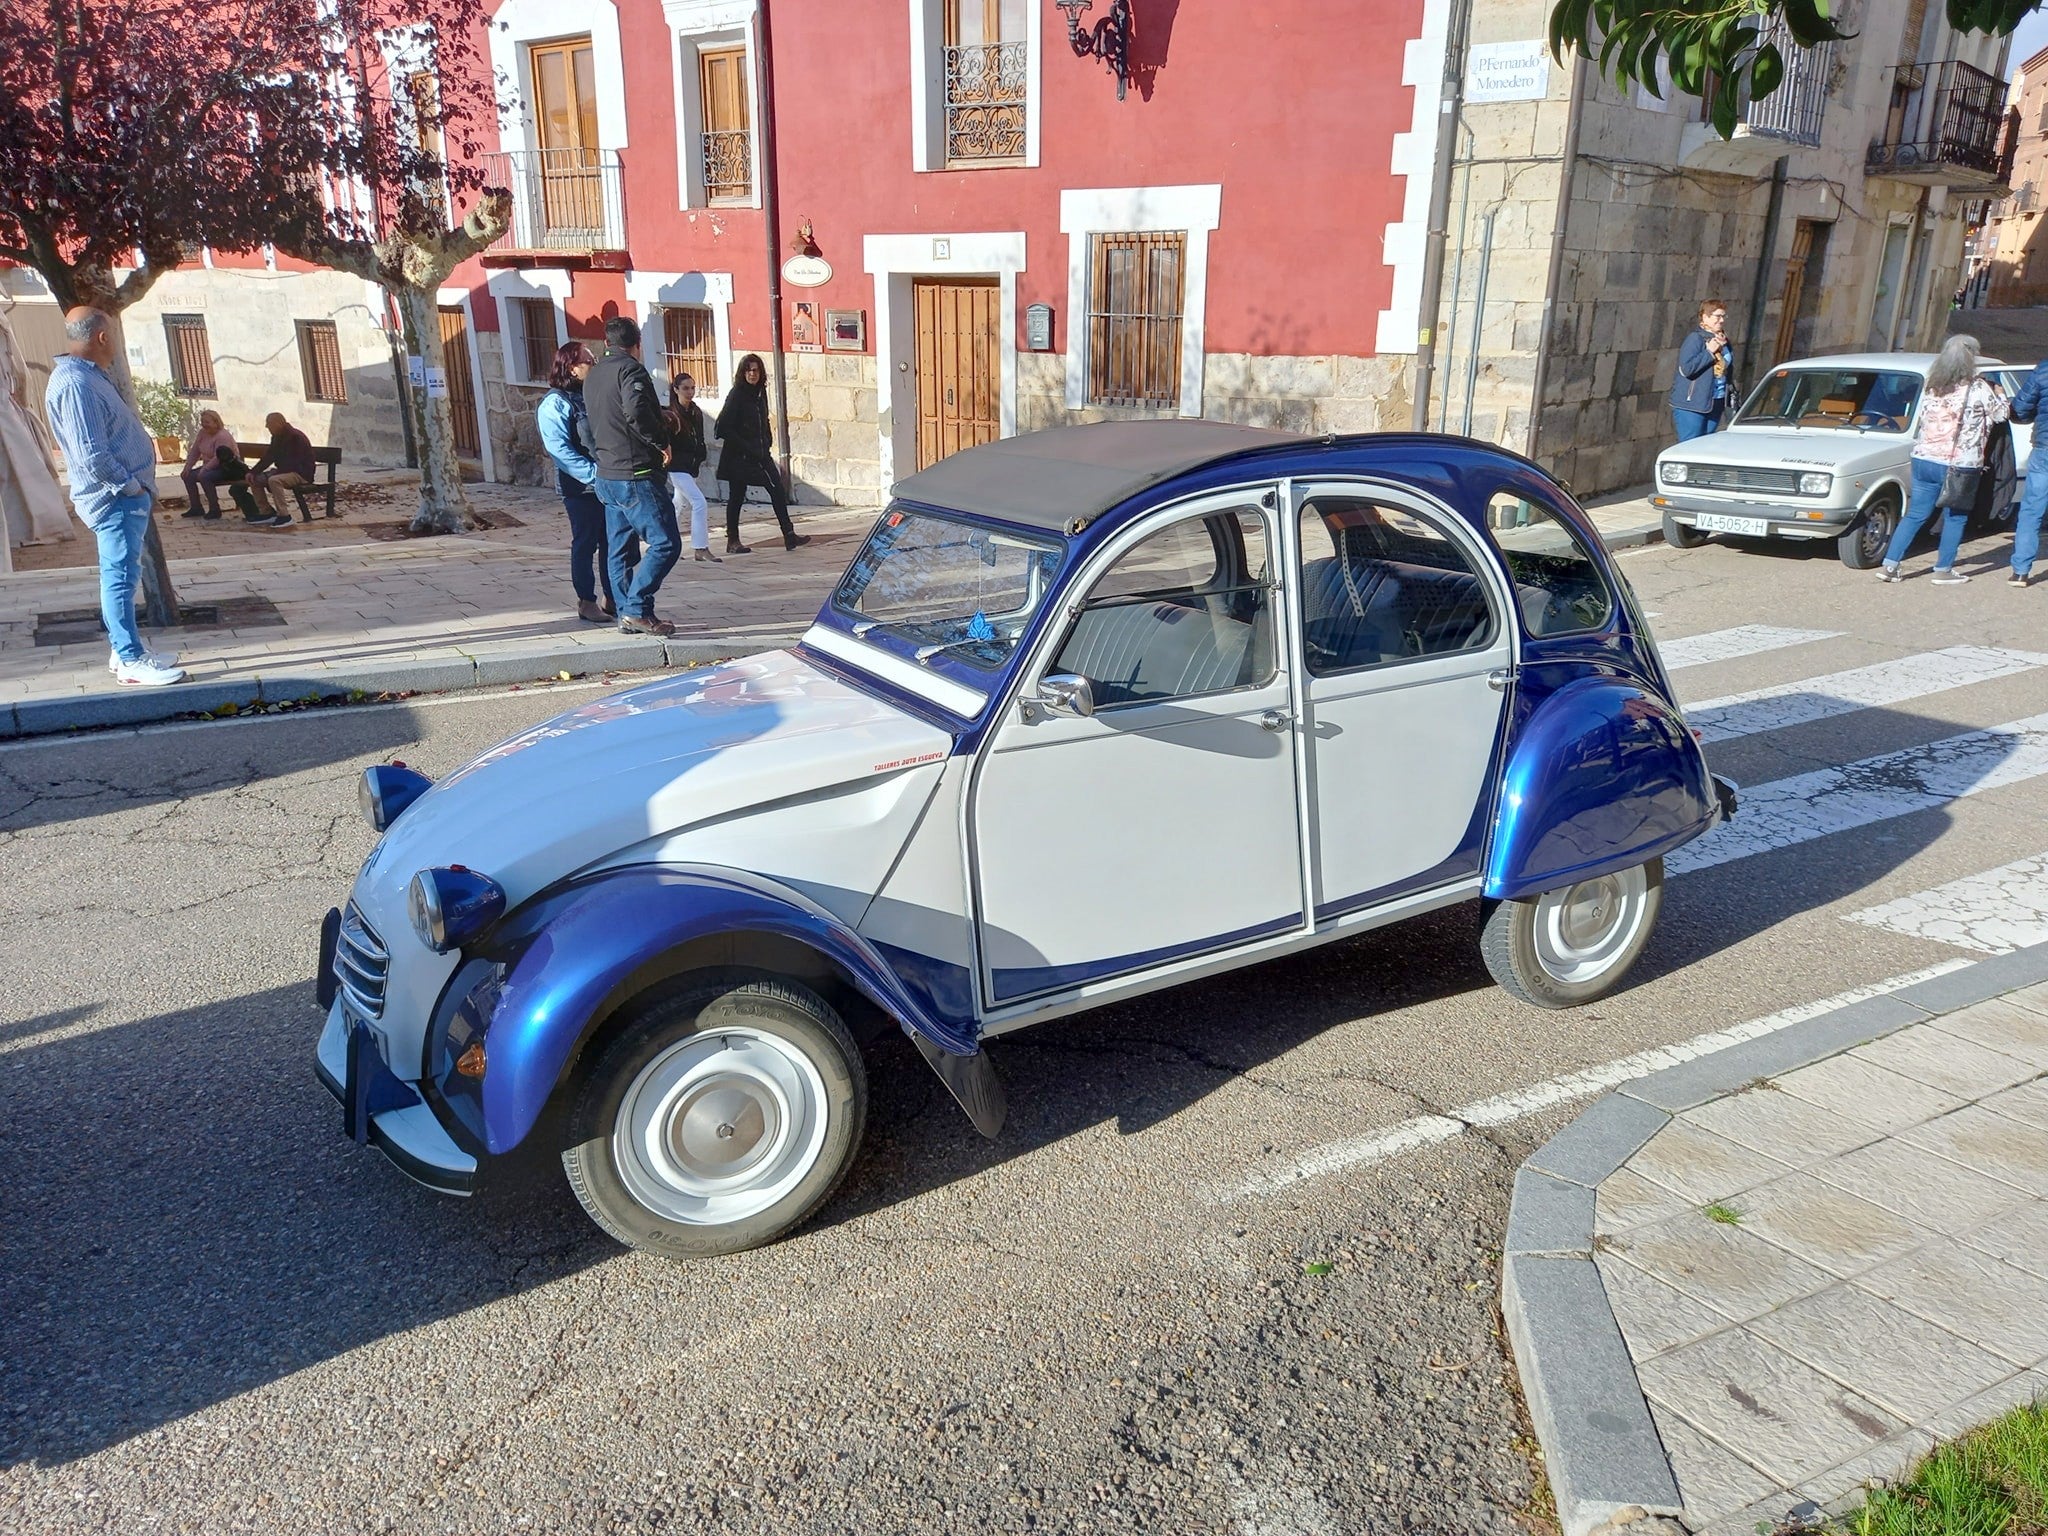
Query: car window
[1879, 400]
[1186, 611]
[1382, 584]
[1557, 586]
[945, 582]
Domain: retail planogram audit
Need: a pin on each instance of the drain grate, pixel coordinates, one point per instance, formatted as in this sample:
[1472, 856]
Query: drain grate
[81, 626]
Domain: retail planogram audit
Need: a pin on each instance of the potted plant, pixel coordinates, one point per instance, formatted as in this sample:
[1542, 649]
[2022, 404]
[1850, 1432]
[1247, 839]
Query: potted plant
[167, 414]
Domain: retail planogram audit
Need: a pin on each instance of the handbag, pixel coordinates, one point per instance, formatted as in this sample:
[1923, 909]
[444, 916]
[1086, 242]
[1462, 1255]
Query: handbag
[1958, 489]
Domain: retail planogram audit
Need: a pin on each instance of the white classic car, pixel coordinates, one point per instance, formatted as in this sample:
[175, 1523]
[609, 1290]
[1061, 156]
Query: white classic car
[1819, 450]
[1093, 712]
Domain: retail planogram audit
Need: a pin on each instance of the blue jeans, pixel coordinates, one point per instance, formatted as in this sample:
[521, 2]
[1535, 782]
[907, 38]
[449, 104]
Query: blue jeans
[121, 530]
[590, 565]
[642, 508]
[2026, 532]
[1692, 424]
[1927, 478]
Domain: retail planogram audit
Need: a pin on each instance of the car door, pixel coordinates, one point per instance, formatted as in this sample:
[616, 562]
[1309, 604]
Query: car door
[1407, 646]
[1162, 821]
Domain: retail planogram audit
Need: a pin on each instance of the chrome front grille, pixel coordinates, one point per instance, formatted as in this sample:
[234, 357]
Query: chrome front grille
[360, 965]
[1742, 477]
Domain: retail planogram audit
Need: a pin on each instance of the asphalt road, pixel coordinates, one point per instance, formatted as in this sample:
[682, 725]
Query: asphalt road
[218, 1316]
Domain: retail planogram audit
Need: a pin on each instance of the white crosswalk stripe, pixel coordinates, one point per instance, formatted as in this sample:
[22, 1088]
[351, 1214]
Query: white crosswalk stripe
[1728, 644]
[2000, 910]
[1842, 693]
[1786, 812]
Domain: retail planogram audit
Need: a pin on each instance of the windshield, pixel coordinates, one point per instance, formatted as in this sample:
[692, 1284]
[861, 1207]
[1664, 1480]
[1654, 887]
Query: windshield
[1878, 400]
[945, 584]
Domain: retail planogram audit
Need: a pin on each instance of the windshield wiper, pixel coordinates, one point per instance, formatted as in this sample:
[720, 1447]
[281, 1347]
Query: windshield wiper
[925, 653]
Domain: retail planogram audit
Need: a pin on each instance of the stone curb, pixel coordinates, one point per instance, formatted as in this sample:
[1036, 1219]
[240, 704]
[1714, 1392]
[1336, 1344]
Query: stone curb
[451, 671]
[1606, 1464]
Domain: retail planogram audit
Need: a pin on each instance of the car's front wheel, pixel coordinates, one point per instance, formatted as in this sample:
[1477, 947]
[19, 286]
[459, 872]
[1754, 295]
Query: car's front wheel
[1863, 546]
[1682, 535]
[716, 1120]
[1569, 946]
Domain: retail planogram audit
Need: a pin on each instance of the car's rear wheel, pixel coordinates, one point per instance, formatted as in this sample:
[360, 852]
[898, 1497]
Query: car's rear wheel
[1569, 946]
[1682, 535]
[716, 1120]
[1863, 546]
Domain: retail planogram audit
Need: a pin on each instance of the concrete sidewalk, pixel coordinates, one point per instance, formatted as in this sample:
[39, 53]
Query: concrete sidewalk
[1744, 1288]
[329, 608]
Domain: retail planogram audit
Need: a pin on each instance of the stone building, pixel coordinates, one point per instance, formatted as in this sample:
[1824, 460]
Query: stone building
[2018, 258]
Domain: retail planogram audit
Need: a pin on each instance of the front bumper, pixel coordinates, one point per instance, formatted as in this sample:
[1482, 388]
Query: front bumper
[1782, 520]
[379, 1108]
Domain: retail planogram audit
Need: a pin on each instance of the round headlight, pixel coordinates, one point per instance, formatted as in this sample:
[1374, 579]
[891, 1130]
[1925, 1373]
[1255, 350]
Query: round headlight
[386, 789]
[451, 906]
[1816, 482]
[1674, 473]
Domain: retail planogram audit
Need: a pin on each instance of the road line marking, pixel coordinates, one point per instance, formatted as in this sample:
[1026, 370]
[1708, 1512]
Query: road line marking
[1841, 693]
[1786, 812]
[1727, 644]
[1995, 912]
[1502, 1109]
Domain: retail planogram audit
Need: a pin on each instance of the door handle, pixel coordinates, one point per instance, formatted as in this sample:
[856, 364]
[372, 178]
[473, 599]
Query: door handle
[1498, 679]
[1275, 720]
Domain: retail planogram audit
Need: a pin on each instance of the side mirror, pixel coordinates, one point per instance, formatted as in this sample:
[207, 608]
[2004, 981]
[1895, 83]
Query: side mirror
[1063, 693]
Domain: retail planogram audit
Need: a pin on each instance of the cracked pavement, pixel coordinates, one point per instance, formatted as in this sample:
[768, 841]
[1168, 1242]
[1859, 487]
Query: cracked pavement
[224, 1318]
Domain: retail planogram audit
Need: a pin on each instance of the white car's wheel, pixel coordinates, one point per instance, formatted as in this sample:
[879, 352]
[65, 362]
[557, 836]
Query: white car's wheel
[717, 1120]
[1572, 945]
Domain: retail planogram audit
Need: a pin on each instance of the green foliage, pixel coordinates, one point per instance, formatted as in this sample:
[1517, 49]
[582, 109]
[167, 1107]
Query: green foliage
[1727, 1215]
[163, 410]
[1992, 1482]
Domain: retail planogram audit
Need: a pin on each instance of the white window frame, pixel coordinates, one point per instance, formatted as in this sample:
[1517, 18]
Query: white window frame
[652, 292]
[928, 88]
[695, 28]
[1193, 211]
[549, 283]
[517, 25]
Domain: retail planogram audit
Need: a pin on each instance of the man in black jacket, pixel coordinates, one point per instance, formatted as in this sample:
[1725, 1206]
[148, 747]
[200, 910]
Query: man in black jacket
[629, 442]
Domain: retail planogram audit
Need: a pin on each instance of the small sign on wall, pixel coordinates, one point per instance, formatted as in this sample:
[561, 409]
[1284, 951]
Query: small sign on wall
[416, 370]
[1038, 328]
[437, 384]
[846, 330]
[1508, 71]
[803, 326]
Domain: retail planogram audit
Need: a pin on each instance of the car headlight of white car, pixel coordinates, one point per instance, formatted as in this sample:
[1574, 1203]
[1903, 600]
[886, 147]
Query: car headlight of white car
[1674, 473]
[1816, 482]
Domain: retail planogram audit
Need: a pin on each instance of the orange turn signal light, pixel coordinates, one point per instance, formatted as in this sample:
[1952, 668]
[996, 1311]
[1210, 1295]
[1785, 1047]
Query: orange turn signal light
[471, 1062]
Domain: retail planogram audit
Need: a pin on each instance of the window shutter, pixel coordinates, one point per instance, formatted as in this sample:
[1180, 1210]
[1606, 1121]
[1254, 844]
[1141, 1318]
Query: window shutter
[320, 362]
[690, 345]
[191, 356]
[1136, 288]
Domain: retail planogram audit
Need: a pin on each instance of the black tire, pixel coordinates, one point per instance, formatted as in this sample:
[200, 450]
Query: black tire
[1522, 960]
[1862, 547]
[1682, 535]
[636, 1193]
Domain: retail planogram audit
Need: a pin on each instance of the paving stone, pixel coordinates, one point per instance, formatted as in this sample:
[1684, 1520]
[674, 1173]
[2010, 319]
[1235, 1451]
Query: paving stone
[1692, 1083]
[1701, 1166]
[1780, 1125]
[1992, 1304]
[1827, 1226]
[1946, 1062]
[1712, 1480]
[1549, 1215]
[2034, 998]
[1995, 1145]
[1734, 1271]
[2017, 1236]
[1860, 1090]
[2003, 1026]
[1903, 1363]
[1600, 1140]
[1887, 1461]
[1627, 1199]
[1653, 1316]
[1919, 1185]
[2000, 1398]
[2028, 1102]
[1789, 1419]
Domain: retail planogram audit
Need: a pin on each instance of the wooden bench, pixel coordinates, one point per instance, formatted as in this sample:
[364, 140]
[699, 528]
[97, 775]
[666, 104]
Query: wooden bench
[329, 458]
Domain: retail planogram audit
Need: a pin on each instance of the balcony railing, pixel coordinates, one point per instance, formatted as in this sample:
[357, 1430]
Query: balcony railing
[1793, 111]
[985, 102]
[567, 200]
[1950, 129]
[728, 166]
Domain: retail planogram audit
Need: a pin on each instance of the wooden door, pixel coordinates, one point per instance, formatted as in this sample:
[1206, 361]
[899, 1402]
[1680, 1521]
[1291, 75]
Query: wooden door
[959, 385]
[461, 387]
[1795, 290]
[565, 109]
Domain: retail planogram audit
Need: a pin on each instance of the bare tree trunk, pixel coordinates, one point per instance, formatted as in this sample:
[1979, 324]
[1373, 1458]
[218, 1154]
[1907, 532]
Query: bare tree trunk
[444, 501]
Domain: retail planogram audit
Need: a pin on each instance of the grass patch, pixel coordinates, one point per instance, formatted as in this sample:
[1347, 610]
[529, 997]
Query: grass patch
[1727, 1215]
[1991, 1482]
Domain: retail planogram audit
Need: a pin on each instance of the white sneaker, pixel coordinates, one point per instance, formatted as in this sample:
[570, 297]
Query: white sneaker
[1950, 578]
[147, 673]
[161, 658]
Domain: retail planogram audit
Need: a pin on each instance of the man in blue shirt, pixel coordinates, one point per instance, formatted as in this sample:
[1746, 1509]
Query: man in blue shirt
[111, 461]
[2026, 533]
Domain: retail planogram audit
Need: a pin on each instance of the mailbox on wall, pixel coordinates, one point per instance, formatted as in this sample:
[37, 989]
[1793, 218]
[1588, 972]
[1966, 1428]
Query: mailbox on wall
[1038, 328]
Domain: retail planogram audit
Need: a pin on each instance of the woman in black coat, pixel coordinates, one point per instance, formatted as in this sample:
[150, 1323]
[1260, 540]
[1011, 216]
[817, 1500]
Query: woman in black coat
[748, 457]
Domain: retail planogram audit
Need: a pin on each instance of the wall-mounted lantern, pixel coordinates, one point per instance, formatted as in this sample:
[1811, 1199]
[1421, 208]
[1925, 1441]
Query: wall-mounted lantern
[1108, 40]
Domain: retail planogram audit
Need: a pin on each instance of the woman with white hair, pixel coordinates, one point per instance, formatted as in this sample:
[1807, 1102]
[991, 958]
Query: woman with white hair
[1957, 414]
[32, 509]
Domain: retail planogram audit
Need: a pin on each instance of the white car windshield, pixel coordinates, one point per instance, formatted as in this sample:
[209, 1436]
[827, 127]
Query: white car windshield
[948, 586]
[1878, 400]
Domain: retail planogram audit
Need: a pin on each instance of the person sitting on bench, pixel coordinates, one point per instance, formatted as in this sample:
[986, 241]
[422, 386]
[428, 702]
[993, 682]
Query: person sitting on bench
[286, 464]
[232, 471]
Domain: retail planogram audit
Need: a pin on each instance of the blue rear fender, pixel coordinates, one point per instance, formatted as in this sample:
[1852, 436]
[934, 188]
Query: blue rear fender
[1601, 775]
[578, 955]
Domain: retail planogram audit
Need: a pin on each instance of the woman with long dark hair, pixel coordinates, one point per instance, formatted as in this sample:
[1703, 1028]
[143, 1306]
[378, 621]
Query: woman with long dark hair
[565, 433]
[748, 457]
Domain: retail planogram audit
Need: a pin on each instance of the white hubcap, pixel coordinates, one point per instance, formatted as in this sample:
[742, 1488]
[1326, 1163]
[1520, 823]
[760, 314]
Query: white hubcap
[1582, 931]
[720, 1126]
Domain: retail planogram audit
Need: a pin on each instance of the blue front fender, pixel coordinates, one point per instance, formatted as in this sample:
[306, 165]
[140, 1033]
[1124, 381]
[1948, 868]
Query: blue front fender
[1602, 775]
[585, 950]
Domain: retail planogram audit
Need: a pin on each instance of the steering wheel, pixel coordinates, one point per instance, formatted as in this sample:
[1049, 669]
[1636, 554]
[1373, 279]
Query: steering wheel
[1875, 417]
